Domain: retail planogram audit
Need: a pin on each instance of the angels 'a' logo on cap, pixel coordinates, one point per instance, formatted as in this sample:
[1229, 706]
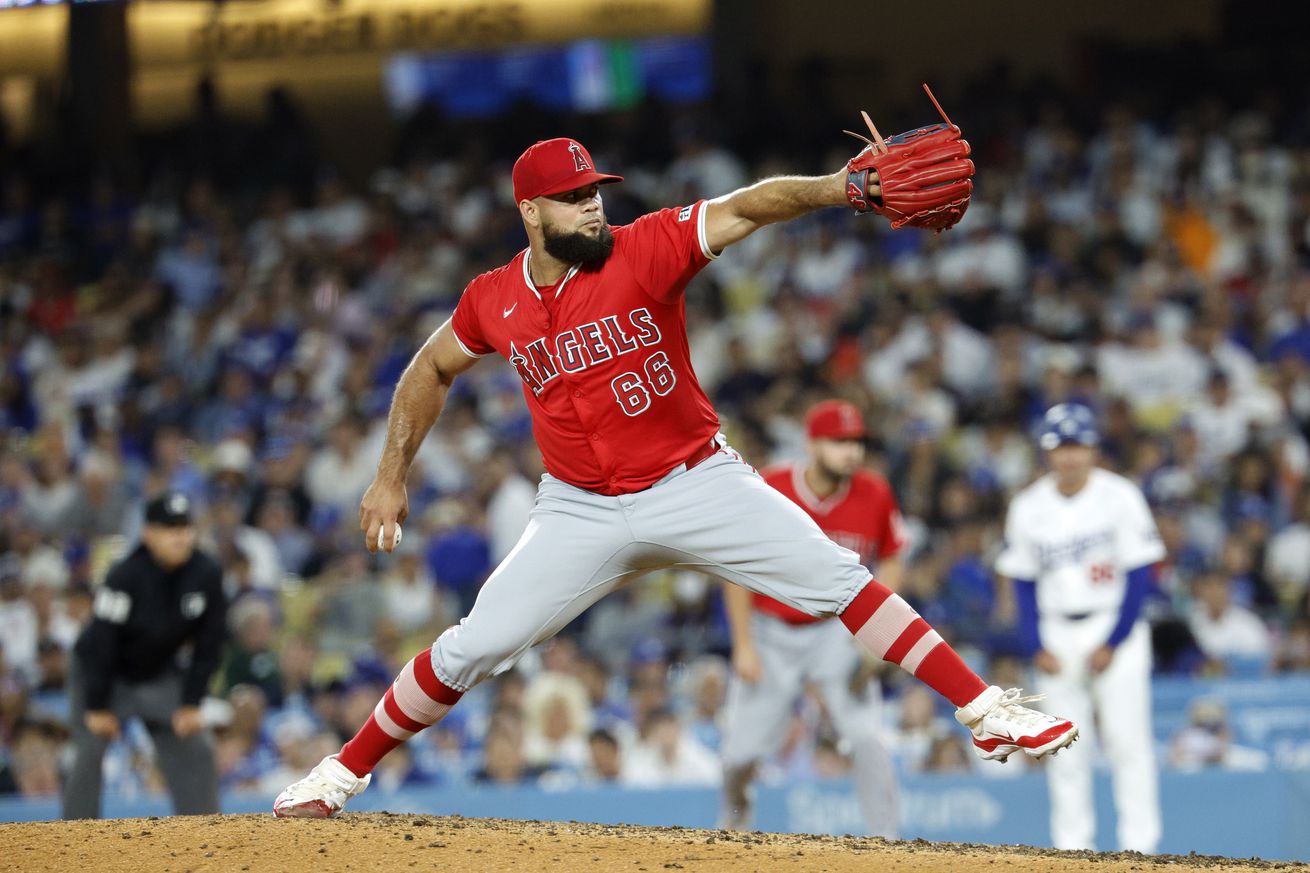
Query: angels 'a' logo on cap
[580, 162]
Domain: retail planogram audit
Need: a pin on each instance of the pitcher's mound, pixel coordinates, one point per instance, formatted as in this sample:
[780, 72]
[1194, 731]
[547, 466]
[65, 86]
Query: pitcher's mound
[397, 843]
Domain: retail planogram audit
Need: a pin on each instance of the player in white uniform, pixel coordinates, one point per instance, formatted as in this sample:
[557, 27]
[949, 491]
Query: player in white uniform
[1081, 548]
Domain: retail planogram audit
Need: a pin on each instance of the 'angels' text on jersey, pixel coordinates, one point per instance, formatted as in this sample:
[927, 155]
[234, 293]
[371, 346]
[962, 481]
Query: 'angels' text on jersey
[577, 348]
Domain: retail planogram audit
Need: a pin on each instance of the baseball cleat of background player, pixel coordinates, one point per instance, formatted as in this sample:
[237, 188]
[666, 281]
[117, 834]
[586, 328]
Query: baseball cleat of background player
[322, 793]
[1001, 725]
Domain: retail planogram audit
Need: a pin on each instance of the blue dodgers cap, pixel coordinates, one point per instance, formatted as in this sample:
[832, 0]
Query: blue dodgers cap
[1068, 423]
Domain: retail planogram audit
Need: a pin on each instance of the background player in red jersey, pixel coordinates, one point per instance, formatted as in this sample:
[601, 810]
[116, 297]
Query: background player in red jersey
[638, 477]
[778, 650]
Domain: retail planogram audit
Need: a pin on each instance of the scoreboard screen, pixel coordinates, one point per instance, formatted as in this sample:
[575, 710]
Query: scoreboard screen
[586, 75]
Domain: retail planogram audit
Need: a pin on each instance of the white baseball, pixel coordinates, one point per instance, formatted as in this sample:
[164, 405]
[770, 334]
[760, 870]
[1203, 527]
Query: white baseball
[395, 538]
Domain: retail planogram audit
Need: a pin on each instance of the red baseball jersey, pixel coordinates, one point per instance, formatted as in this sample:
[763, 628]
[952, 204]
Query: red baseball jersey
[603, 353]
[862, 517]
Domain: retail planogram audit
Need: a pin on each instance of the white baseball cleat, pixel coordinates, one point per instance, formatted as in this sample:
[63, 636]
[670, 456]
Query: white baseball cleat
[1002, 725]
[322, 793]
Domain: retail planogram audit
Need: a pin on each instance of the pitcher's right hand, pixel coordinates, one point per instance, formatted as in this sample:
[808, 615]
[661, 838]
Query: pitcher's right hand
[384, 506]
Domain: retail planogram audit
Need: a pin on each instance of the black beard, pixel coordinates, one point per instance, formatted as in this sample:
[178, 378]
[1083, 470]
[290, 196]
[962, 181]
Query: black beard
[579, 248]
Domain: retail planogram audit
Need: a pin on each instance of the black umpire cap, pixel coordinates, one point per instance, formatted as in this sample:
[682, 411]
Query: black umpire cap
[171, 509]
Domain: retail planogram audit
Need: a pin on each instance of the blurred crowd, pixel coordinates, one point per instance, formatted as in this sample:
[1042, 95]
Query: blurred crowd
[236, 336]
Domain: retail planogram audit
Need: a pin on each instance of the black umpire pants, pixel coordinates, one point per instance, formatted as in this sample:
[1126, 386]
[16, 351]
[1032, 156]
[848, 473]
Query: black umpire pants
[187, 764]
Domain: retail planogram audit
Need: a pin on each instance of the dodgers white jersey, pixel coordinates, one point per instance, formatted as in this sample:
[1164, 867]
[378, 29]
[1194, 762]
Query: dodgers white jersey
[1079, 549]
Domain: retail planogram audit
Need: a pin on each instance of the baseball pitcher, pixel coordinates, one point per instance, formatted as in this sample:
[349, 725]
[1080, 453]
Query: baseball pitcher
[638, 477]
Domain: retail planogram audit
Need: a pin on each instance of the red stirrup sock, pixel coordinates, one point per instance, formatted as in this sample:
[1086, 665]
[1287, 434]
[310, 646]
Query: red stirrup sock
[417, 699]
[890, 628]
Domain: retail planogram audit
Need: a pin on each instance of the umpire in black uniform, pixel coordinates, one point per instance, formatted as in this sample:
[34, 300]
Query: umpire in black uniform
[154, 641]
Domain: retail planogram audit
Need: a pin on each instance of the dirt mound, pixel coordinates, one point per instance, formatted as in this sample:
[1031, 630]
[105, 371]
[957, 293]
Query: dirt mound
[386, 842]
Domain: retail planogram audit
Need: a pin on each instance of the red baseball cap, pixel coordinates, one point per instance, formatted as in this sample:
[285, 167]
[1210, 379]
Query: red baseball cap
[834, 420]
[554, 166]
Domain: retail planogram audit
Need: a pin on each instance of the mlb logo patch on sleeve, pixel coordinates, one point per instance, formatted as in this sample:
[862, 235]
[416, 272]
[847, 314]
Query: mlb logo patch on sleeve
[686, 212]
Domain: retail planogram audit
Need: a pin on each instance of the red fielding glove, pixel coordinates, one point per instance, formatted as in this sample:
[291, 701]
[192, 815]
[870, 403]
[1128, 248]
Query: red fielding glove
[924, 176]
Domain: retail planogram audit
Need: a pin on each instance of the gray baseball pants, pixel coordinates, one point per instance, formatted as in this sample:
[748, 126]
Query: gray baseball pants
[720, 518]
[187, 764]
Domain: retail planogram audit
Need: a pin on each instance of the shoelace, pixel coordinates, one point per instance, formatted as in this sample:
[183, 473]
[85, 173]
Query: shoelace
[1012, 702]
[339, 779]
